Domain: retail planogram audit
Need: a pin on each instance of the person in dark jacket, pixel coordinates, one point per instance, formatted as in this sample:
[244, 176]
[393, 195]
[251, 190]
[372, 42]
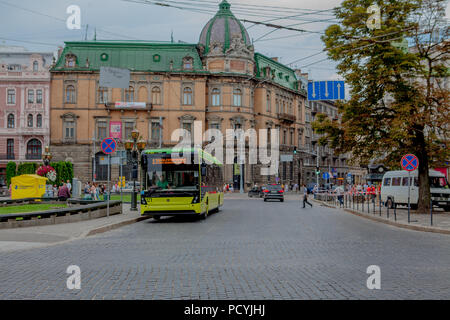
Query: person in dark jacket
[63, 193]
[305, 197]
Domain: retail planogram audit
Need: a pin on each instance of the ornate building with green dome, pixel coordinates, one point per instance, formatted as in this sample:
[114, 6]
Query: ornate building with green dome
[220, 81]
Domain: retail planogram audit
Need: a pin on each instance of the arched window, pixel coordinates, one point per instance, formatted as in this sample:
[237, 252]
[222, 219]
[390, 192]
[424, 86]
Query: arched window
[30, 121]
[156, 95]
[70, 94]
[102, 95]
[11, 120]
[35, 66]
[34, 149]
[215, 97]
[39, 121]
[237, 97]
[187, 96]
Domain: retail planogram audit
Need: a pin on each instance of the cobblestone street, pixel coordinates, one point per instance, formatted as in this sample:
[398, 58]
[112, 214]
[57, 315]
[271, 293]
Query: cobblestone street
[249, 250]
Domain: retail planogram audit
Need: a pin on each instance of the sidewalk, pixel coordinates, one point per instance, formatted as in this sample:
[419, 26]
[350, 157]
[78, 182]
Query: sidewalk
[41, 236]
[398, 217]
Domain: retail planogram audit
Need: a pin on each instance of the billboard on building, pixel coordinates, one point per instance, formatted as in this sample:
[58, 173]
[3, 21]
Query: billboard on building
[114, 77]
[130, 105]
[115, 129]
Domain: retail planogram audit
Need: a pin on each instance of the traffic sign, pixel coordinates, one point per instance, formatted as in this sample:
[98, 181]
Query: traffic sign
[326, 175]
[109, 145]
[326, 90]
[409, 162]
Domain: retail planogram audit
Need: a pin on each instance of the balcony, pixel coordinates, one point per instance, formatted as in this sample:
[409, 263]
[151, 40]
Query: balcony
[7, 156]
[30, 156]
[287, 118]
[123, 106]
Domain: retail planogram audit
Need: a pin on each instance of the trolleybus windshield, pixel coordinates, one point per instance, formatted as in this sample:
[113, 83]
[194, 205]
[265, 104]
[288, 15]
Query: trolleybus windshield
[165, 173]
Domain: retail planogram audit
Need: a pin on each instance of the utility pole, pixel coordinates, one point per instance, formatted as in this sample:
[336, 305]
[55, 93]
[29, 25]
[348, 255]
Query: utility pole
[160, 132]
[317, 165]
[93, 157]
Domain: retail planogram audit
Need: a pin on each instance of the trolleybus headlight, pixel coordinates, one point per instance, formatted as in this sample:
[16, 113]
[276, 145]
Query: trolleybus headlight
[196, 198]
[143, 201]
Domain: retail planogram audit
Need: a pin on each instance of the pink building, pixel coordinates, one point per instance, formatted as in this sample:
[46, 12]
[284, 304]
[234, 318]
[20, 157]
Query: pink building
[24, 105]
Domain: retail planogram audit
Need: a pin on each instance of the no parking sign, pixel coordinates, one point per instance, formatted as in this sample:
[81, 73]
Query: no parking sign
[109, 145]
[409, 162]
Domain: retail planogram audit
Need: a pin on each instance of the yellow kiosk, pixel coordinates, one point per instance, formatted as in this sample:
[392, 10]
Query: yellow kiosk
[28, 186]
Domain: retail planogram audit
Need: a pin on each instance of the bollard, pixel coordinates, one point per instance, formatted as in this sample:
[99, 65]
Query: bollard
[353, 201]
[380, 206]
[374, 210]
[387, 206]
[431, 211]
[362, 203]
[395, 211]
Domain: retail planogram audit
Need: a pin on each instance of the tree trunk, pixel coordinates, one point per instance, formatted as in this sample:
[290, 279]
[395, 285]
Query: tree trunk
[424, 181]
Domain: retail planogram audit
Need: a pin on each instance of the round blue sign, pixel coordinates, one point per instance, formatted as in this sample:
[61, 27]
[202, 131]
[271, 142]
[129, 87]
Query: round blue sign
[409, 162]
[326, 175]
[109, 145]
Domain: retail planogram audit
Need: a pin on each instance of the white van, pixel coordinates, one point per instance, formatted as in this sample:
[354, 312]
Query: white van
[394, 188]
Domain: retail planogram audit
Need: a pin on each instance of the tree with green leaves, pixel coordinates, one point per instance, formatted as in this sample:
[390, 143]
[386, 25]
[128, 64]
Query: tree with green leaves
[399, 99]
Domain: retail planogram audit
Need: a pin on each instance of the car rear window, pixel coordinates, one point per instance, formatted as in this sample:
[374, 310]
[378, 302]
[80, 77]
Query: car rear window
[274, 188]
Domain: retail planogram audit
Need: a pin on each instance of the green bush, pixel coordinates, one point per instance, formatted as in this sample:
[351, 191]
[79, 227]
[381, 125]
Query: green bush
[10, 172]
[26, 168]
[64, 170]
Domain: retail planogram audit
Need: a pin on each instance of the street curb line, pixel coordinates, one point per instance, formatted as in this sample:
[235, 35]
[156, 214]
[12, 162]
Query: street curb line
[392, 223]
[113, 226]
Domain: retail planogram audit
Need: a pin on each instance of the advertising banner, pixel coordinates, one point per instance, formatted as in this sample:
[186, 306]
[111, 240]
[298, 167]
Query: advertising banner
[115, 129]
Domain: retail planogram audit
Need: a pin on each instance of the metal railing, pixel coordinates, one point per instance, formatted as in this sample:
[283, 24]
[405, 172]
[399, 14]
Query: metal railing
[367, 203]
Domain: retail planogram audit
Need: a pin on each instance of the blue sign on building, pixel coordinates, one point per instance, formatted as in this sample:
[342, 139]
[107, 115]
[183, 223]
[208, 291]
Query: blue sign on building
[326, 90]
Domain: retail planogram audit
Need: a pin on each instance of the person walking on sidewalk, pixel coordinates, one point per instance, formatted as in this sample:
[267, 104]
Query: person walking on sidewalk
[305, 197]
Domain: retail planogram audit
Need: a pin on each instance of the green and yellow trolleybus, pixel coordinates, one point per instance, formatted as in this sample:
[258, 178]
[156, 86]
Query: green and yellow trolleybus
[190, 183]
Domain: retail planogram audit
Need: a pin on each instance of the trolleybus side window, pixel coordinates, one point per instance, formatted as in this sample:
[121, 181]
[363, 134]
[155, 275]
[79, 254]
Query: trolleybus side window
[387, 182]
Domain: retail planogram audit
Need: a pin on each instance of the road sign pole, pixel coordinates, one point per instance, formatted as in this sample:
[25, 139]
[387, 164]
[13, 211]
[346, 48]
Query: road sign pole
[120, 182]
[409, 191]
[107, 190]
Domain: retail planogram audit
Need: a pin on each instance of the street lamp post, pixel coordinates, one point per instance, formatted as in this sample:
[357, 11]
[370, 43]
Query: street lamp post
[134, 148]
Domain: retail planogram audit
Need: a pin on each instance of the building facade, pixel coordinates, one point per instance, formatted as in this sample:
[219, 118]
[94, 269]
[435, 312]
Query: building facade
[24, 105]
[220, 81]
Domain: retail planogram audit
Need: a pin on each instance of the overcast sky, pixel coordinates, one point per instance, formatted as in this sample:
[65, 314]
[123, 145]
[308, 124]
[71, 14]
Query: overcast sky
[118, 19]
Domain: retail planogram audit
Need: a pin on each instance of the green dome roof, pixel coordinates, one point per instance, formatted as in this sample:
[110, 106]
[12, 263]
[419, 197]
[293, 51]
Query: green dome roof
[222, 29]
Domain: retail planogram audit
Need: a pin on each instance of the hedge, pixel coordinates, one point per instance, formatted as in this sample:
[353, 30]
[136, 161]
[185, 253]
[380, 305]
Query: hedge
[10, 172]
[26, 168]
[64, 170]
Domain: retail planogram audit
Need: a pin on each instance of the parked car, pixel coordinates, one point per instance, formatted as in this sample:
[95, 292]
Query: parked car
[395, 189]
[273, 192]
[255, 192]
